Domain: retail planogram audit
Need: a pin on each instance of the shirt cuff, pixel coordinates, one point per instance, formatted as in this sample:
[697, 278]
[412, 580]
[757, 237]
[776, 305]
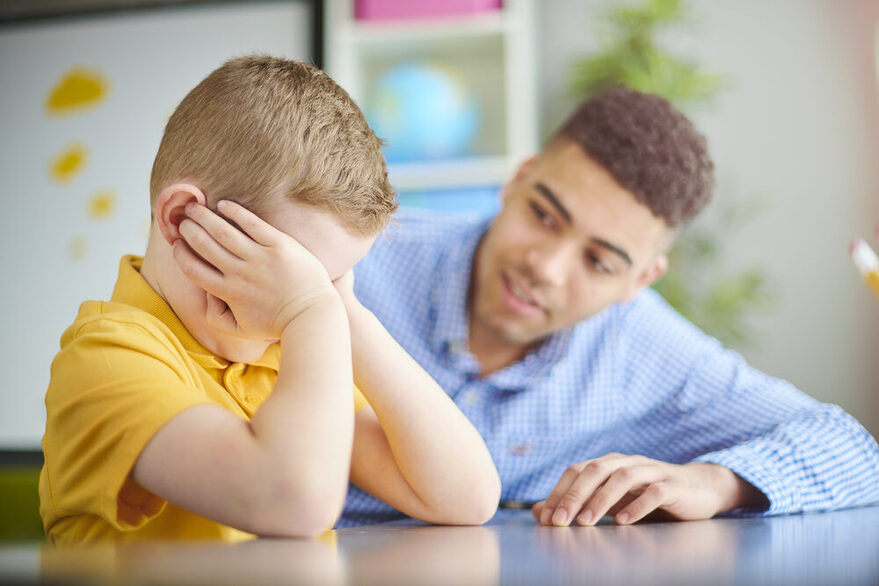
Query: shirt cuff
[762, 473]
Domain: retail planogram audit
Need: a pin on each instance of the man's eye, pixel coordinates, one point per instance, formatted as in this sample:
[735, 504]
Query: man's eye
[542, 216]
[596, 263]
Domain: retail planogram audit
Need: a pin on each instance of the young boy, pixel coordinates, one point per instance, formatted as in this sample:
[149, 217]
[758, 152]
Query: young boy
[211, 397]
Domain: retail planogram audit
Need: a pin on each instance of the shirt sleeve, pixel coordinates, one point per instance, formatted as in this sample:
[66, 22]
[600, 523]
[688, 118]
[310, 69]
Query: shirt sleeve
[112, 387]
[698, 401]
[359, 400]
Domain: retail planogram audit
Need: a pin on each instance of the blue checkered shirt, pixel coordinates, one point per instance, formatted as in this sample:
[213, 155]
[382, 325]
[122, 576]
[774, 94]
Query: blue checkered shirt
[636, 378]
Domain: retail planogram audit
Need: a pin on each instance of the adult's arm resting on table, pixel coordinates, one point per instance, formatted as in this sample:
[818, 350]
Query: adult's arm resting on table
[803, 455]
[708, 434]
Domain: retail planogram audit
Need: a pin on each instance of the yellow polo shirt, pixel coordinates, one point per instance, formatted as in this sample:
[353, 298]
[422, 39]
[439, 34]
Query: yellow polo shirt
[125, 368]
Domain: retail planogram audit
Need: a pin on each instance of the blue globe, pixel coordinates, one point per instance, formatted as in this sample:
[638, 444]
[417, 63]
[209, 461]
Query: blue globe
[423, 111]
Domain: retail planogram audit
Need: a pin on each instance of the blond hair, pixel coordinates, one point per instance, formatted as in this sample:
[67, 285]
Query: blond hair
[259, 128]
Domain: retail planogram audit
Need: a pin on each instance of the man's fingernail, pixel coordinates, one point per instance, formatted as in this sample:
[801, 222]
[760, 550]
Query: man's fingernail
[622, 518]
[560, 517]
[586, 517]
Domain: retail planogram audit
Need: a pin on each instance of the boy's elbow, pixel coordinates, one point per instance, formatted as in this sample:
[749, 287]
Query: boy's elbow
[479, 514]
[477, 507]
[486, 503]
[302, 511]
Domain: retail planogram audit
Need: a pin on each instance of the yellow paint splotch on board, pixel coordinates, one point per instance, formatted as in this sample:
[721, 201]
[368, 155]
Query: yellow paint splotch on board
[69, 163]
[79, 89]
[102, 205]
[77, 247]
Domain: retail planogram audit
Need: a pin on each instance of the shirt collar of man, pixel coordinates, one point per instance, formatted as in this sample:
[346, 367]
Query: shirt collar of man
[449, 337]
[132, 289]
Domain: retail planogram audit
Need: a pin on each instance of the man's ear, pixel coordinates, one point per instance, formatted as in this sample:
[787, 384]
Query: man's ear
[521, 172]
[170, 208]
[649, 276]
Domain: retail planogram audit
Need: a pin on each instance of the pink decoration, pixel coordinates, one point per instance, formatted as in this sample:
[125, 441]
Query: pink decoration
[411, 9]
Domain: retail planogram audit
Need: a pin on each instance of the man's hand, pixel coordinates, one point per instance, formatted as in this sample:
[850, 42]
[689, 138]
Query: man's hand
[257, 278]
[631, 487]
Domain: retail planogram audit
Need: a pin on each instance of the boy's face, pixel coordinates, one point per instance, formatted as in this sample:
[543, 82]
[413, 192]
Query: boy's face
[568, 242]
[319, 232]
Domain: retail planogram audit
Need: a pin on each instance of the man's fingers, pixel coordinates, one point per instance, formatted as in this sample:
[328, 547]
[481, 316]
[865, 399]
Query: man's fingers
[621, 482]
[561, 487]
[597, 470]
[537, 509]
[654, 496]
[581, 491]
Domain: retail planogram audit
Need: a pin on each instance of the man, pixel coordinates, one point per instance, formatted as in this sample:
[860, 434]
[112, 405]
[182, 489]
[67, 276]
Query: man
[593, 395]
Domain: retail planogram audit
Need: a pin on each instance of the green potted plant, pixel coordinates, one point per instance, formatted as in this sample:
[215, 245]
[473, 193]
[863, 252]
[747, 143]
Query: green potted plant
[697, 285]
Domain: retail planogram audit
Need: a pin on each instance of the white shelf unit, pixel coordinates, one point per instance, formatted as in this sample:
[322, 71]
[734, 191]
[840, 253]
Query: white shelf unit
[494, 50]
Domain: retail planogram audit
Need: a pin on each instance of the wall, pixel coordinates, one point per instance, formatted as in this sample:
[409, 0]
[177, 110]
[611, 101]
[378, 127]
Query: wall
[798, 129]
[62, 238]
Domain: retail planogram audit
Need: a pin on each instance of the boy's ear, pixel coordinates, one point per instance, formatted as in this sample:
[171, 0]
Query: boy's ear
[170, 208]
[650, 275]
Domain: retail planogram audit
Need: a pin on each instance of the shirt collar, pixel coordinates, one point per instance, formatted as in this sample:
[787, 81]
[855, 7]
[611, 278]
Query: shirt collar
[132, 289]
[450, 290]
[450, 333]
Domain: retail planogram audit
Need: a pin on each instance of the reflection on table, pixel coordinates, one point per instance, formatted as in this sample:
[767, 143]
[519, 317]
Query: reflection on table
[825, 548]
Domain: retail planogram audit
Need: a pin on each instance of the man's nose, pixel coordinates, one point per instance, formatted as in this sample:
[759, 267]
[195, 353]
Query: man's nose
[551, 264]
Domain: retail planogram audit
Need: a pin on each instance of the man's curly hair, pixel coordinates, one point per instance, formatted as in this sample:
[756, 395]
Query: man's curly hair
[649, 147]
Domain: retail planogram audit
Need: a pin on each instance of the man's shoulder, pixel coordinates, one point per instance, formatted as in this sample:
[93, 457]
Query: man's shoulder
[654, 338]
[418, 240]
[405, 267]
[646, 326]
[425, 228]
[652, 315]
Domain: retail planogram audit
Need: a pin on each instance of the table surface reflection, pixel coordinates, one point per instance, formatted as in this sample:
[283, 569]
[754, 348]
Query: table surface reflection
[836, 548]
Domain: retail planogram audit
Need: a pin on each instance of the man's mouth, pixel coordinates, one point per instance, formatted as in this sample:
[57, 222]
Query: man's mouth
[519, 297]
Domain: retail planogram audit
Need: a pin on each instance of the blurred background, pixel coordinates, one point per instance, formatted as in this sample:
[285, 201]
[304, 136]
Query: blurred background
[786, 91]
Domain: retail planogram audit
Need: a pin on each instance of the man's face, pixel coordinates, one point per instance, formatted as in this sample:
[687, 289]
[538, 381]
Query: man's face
[568, 242]
[318, 231]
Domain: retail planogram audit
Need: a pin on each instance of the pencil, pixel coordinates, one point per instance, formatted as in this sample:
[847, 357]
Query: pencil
[867, 262]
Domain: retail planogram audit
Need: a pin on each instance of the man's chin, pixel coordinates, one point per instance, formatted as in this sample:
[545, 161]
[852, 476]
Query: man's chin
[516, 335]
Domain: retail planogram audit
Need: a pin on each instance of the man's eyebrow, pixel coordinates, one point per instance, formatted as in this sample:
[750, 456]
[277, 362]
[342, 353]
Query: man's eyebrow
[547, 193]
[622, 253]
[550, 196]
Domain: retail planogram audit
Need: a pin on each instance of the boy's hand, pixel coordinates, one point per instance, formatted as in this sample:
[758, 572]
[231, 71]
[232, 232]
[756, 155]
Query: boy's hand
[257, 278]
[345, 287]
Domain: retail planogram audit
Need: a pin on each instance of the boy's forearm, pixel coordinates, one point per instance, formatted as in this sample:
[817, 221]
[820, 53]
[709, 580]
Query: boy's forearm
[305, 427]
[437, 450]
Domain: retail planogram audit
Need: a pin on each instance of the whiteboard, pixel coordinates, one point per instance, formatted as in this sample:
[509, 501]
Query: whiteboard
[74, 173]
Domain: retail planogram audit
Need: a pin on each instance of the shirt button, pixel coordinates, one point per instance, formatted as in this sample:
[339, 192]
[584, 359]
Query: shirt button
[457, 347]
[471, 398]
[520, 449]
